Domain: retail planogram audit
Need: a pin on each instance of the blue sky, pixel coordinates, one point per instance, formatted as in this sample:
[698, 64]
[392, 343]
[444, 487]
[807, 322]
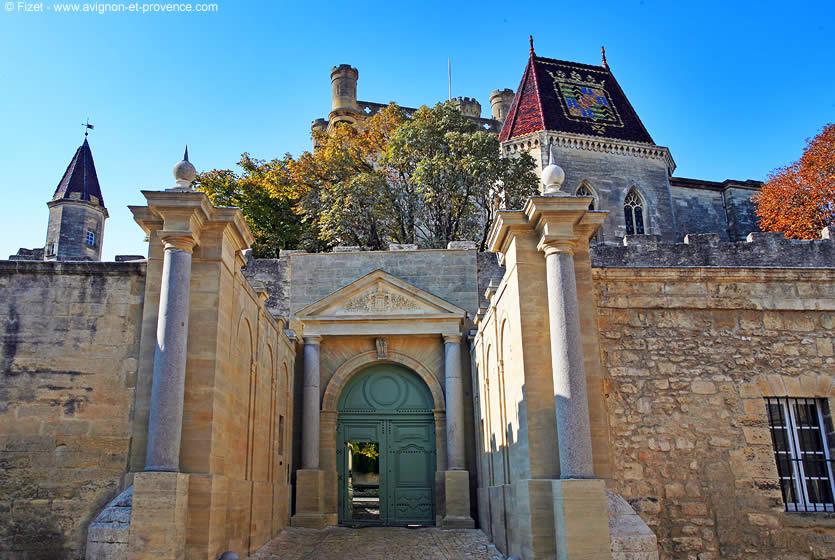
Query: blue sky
[732, 88]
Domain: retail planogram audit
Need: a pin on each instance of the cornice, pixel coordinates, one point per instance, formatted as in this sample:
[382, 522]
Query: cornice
[592, 144]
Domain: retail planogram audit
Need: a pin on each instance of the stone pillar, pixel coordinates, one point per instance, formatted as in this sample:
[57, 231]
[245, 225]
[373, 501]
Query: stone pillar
[165, 421]
[454, 483]
[311, 481]
[573, 429]
[310, 404]
[454, 383]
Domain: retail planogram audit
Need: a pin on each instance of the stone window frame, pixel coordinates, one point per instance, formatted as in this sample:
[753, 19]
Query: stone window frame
[641, 203]
[757, 435]
[585, 184]
[797, 474]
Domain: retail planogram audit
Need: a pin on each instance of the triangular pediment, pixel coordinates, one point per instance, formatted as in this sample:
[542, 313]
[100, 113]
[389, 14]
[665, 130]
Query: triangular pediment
[379, 294]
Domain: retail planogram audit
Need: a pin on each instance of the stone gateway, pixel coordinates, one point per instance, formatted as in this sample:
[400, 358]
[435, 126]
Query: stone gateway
[633, 372]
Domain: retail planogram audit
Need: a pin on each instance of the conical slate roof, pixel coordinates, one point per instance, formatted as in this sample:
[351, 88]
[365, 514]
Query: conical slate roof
[80, 181]
[571, 97]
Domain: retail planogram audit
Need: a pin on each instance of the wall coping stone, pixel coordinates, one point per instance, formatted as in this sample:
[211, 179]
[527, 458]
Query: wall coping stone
[73, 267]
[759, 250]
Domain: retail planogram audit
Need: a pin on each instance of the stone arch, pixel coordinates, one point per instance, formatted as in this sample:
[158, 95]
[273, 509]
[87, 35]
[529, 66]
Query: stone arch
[346, 371]
[635, 208]
[585, 189]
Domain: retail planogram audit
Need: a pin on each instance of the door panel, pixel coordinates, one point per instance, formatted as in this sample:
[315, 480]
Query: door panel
[406, 471]
[411, 472]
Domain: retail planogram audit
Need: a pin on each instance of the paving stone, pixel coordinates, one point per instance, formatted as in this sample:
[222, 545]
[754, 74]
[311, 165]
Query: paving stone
[379, 543]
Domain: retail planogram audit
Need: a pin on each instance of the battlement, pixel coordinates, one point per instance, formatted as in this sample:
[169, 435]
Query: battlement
[759, 250]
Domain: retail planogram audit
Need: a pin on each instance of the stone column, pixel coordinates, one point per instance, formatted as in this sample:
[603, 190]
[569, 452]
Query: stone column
[454, 403]
[310, 404]
[165, 421]
[573, 429]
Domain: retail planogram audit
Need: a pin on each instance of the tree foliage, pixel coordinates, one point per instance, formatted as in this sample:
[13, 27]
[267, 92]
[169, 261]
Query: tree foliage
[427, 178]
[799, 200]
[262, 191]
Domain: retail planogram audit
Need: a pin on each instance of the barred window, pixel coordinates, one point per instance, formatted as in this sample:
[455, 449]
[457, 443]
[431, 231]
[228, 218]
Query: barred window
[800, 432]
[91, 238]
[633, 213]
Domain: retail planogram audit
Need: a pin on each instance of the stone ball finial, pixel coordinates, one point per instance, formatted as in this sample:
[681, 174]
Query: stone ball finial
[553, 175]
[184, 173]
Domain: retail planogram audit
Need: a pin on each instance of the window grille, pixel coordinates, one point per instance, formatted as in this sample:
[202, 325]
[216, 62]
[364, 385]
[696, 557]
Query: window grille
[91, 238]
[801, 434]
[633, 212]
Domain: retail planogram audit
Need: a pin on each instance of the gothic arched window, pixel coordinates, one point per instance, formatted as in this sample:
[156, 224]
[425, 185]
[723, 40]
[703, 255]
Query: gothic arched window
[633, 212]
[585, 190]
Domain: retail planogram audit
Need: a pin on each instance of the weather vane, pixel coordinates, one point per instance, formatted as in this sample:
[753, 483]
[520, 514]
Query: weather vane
[87, 127]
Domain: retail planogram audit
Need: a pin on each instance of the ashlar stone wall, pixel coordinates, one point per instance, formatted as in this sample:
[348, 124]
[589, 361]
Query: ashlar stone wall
[690, 354]
[68, 362]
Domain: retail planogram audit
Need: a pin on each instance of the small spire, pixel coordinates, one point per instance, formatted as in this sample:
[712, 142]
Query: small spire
[185, 155]
[603, 54]
[530, 39]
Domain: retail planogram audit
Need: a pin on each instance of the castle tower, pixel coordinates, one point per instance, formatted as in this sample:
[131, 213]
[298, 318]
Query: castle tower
[469, 107]
[344, 106]
[500, 100]
[577, 115]
[76, 212]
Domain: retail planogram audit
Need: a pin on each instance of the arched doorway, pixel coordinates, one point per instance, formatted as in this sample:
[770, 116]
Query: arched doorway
[385, 449]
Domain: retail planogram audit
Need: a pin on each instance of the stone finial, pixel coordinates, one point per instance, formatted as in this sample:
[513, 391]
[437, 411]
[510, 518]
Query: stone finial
[553, 175]
[603, 63]
[184, 174]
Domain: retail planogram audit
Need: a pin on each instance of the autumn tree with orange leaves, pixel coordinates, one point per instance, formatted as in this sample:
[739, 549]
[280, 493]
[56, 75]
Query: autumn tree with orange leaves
[799, 200]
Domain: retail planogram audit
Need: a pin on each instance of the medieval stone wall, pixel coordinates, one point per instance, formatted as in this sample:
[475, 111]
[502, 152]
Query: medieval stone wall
[699, 210]
[68, 362]
[691, 353]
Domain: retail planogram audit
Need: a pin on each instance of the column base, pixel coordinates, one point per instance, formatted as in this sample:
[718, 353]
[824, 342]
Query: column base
[310, 501]
[158, 516]
[454, 495]
[581, 519]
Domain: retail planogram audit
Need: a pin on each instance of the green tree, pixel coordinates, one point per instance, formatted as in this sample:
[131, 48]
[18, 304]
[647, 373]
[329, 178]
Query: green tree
[430, 178]
[262, 191]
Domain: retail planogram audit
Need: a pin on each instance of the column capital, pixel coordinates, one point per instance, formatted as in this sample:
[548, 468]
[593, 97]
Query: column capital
[452, 338]
[313, 339]
[553, 245]
[178, 240]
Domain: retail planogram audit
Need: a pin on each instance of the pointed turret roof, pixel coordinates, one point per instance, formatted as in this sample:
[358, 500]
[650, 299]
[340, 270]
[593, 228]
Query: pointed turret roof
[80, 181]
[571, 97]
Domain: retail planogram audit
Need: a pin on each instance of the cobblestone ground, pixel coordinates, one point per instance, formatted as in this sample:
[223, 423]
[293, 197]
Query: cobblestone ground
[379, 543]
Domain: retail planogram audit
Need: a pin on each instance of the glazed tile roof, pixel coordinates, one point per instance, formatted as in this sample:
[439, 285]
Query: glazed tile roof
[572, 97]
[80, 181]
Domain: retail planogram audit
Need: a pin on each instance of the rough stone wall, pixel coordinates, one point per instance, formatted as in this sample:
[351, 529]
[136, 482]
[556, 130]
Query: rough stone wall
[447, 273]
[769, 250]
[690, 354]
[70, 337]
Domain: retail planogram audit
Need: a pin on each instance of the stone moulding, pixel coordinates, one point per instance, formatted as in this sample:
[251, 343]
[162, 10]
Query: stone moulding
[593, 144]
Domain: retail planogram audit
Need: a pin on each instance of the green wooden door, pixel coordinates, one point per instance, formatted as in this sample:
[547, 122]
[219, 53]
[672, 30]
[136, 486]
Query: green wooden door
[386, 449]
